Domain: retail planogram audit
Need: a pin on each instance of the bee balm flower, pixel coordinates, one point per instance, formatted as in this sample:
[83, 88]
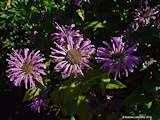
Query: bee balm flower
[26, 67]
[144, 13]
[72, 56]
[117, 57]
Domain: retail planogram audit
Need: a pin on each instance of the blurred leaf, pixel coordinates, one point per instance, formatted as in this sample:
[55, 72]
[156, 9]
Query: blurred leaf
[81, 13]
[80, 99]
[3, 15]
[155, 111]
[148, 105]
[48, 63]
[157, 88]
[105, 80]
[72, 117]
[115, 84]
[94, 25]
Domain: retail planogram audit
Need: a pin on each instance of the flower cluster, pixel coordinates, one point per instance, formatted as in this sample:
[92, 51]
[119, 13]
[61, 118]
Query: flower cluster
[117, 57]
[71, 53]
[25, 66]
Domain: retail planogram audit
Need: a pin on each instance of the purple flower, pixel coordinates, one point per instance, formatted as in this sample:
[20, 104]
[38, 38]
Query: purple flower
[72, 56]
[39, 102]
[65, 33]
[143, 16]
[25, 66]
[117, 57]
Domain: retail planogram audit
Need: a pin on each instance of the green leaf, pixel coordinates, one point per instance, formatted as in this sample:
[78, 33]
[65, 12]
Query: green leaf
[2, 15]
[94, 25]
[81, 13]
[80, 99]
[115, 84]
[148, 105]
[72, 117]
[157, 88]
[48, 63]
[70, 95]
[31, 93]
[41, 85]
[105, 80]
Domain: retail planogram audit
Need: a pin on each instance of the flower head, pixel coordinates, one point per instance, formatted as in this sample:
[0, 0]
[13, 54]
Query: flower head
[117, 57]
[25, 66]
[143, 16]
[72, 56]
[65, 33]
[39, 102]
